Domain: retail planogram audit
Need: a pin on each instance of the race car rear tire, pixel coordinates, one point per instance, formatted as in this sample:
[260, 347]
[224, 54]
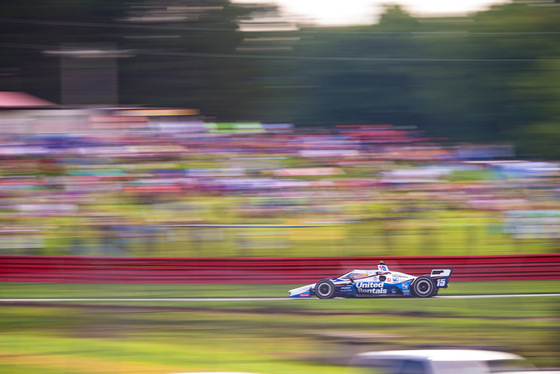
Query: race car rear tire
[324, 289]
[423, 286]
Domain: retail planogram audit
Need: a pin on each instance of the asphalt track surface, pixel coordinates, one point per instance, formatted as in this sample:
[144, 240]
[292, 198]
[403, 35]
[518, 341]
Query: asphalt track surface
[199, 299]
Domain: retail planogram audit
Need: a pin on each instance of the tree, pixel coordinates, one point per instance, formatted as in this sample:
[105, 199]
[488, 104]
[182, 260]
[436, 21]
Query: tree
[30, 28]
[181, 50]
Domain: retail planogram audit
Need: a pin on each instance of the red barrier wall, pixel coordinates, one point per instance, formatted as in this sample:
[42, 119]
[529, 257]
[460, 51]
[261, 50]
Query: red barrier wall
[58, 269]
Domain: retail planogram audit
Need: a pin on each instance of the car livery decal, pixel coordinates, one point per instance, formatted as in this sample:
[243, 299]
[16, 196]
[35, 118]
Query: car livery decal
[441, 282]
[380, 291]
[369, 284]
[371, 287]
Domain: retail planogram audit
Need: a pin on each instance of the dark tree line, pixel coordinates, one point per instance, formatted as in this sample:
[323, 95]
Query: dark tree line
[493, 76]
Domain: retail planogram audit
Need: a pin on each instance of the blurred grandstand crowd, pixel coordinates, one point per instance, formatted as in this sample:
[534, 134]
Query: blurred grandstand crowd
[164, 190]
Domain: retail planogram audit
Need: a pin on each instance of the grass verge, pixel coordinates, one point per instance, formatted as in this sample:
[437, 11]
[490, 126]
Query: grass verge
[282, 336]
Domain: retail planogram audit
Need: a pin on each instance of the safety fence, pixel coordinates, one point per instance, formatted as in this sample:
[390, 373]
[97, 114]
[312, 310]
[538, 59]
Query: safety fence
[62, 269]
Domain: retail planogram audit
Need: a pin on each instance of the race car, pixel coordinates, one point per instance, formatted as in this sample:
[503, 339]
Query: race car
[376, 283]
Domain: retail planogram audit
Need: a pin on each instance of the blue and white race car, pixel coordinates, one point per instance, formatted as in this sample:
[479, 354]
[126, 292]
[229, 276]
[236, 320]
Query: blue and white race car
[376, 283]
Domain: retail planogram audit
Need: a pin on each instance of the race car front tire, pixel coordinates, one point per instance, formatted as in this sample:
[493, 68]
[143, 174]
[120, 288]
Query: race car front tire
[324, 289]
[423, 286]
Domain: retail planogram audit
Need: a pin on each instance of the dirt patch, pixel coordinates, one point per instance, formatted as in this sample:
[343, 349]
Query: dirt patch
[64, 363]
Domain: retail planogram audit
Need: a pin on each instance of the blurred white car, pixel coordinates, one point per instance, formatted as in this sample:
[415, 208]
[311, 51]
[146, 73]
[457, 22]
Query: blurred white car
[442, 361]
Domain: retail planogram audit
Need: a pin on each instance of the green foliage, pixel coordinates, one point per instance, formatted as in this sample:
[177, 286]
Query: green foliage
[492, 76]
[542, 138]
[470, 175]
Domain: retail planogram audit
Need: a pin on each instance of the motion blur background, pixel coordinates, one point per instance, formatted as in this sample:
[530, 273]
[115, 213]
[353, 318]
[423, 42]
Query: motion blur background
[290, 129]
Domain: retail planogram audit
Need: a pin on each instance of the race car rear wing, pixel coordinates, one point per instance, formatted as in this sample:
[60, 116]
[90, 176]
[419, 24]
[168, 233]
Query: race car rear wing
[441, 277]
[436, 273]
